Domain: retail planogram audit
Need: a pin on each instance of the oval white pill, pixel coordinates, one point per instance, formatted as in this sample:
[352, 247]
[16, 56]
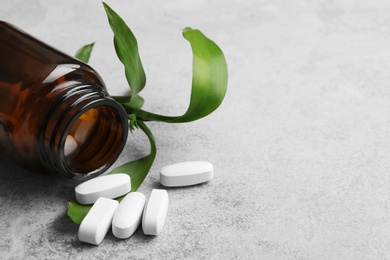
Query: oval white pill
[155, 212]
[84, 130]
[186, 173]
[128, 215]
[108, 186]
[97, 222]
[70, 145]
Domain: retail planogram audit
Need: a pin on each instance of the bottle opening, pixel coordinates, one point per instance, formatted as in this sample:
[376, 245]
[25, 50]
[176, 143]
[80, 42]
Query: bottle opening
[94, 140]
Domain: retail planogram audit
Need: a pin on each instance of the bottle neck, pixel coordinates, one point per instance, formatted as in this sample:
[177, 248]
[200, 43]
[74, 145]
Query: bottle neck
[97, 124]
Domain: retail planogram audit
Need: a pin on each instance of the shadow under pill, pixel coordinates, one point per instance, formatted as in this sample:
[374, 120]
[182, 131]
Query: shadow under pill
[158, 185]
[138, 237]
[63, 226]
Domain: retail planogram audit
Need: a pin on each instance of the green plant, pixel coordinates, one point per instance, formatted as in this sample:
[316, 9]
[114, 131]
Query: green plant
[209, 84]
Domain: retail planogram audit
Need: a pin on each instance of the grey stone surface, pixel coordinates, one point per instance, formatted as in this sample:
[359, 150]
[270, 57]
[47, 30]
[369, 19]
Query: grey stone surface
[301, 144]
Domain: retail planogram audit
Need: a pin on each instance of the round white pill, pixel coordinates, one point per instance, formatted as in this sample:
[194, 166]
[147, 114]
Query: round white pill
[186, 173]
[128, 215]
[97, 222]
[84, 130]
[155, 212]
[70, 145]
[108, 186]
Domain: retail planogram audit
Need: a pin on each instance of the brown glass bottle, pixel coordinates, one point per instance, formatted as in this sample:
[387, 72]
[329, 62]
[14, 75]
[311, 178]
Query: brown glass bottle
[44, 94]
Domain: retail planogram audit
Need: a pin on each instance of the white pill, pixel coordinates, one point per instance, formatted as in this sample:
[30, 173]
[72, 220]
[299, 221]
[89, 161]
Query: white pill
[186, 173]
[128, 215]
[108, 186]
[70, 145]
[155, 212]
[84, 130]
[97, 222]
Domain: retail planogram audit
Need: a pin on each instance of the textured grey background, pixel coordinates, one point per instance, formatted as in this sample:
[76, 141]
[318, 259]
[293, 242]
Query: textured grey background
[301, 144]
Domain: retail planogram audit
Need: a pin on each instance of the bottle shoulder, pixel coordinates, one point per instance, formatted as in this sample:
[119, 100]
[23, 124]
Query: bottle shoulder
[74, 74]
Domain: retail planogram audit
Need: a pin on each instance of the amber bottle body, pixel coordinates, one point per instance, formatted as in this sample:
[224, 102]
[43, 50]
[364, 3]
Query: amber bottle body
[43, 93]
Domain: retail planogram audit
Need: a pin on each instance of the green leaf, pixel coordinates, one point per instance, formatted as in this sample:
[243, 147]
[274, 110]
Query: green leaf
[77, 212]
[209, 80]
[137, 170]
[126, 48]
[122, 99]
[135, 102]
[84, 52]
[133, 122]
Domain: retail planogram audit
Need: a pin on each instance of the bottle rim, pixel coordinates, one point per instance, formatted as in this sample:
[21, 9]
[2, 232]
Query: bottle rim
[79, 101]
